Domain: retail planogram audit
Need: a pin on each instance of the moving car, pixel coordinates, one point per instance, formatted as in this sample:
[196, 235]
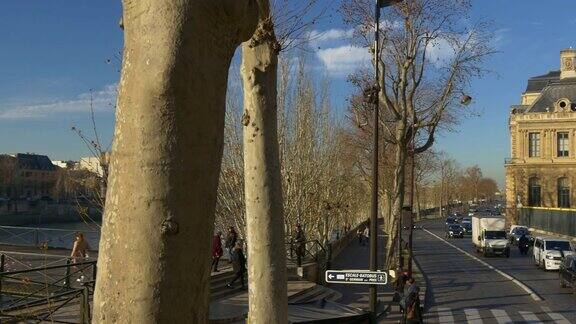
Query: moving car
[516, 232]
[454, 230]
[450, 221]
[549, 252]
[489, 235]
[567, 272]
[457, 216]
[467, 227]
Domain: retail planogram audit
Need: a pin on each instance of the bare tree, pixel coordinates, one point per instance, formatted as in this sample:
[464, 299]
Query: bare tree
[419, 91]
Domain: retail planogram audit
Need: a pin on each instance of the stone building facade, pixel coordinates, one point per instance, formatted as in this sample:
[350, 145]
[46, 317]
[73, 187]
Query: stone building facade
[541, 171]
[27, 176]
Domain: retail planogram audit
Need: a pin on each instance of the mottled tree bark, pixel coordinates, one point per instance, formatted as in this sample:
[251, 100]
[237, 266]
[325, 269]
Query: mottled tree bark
[263, 186]
[154, 261]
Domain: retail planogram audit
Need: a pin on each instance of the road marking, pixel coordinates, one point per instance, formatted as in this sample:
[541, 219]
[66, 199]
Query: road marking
[501, 316]
[445, 315]
[529, 317]
[473, 316]
[558, 318]
[527, 289]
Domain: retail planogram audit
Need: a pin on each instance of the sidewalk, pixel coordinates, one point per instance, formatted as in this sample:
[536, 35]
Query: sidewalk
[357, 257]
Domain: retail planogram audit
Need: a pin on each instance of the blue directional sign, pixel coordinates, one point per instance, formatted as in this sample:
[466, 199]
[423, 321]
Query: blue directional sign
[358, 277]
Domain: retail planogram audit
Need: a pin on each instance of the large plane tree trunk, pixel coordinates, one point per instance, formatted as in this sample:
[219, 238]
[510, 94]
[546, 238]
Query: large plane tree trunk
[263, 186]
[154, 261]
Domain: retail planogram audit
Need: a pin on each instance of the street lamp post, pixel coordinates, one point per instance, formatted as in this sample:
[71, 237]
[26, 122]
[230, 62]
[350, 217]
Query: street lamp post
[411, 198]
[374, 206]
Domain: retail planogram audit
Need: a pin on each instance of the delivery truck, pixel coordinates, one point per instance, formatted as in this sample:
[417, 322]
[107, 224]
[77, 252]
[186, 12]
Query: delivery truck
[489, 235]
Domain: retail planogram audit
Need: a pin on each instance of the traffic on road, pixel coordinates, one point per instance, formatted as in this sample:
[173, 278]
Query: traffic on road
[510, 274]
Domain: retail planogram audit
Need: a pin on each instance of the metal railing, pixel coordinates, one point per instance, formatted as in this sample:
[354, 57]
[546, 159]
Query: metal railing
[48, 237]
[311, 250]
[40, 293]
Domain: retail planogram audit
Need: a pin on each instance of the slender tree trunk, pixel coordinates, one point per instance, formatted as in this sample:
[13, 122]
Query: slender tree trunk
[263, 187]
[398, 201]
[154, 260]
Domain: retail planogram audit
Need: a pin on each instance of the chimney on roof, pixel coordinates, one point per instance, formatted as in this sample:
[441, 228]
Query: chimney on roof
[568, 63]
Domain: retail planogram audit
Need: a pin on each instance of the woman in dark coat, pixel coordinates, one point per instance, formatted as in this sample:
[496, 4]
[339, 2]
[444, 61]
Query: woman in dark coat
[413, 311]
[238, 264]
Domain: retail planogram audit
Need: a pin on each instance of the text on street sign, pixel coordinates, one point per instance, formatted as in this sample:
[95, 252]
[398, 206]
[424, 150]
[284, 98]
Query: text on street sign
[359, 277]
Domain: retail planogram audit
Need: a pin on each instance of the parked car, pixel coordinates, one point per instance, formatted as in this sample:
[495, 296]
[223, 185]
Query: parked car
[549, 252]
[516, 232]
[454, 230]
[567, 272]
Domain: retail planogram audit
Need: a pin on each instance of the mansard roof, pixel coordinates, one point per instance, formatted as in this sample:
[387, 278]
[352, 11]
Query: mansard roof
[554, 91]
[536, 84]
[34, 162]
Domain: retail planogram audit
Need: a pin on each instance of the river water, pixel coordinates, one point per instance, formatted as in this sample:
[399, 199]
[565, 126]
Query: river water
[55, 235]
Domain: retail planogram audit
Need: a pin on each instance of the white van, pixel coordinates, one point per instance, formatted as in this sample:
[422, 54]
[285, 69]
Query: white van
[548, 252]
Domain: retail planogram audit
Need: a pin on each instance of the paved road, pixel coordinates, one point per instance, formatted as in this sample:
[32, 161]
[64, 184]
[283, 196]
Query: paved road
[465, 291]
[356, 256]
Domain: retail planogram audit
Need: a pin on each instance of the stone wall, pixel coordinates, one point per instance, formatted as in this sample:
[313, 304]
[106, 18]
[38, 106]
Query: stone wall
[517, 176]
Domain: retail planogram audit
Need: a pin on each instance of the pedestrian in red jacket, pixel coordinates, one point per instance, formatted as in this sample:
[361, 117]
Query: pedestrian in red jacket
[216, 250]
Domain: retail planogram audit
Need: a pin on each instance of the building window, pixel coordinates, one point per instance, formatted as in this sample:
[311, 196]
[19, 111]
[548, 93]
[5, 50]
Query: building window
[534, 144]
[534, 192]
[563, 193]
[563, 143]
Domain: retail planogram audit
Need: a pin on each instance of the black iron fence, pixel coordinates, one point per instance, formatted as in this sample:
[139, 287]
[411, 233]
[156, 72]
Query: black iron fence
[56, 294]
[308, 251]
[555, 220]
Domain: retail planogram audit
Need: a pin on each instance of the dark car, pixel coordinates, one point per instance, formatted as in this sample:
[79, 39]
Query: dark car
[467, 227]
[517, 233]
[450, 221]
[454, 230]
[567, 272]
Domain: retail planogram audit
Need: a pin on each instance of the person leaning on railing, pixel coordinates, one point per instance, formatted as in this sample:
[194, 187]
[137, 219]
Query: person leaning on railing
[80, 248]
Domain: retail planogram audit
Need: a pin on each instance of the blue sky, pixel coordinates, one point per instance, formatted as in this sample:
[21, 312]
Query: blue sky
[54, 52]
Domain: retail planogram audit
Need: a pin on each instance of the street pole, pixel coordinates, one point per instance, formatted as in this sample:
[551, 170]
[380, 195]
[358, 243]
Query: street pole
[412, 187]
[375, 165]
[374, 210]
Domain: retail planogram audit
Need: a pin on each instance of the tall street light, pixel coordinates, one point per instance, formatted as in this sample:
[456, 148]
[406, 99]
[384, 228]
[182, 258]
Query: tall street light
[374, 210]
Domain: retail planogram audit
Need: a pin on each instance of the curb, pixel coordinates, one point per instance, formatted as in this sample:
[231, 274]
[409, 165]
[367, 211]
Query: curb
[527, 289]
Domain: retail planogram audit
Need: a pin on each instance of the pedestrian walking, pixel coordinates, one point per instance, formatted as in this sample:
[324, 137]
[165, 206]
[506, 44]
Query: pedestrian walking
[367, 233]
[413, 311]
[216, 250]
[231, 238]
[400, 285]
[238, 265]
[300, 241]
[80, 247]
[79, 251]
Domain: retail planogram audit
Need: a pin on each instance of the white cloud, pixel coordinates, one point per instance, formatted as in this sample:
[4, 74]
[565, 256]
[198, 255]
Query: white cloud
[335, 34]
[103, 100]
[439, 52]
[344, 59]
